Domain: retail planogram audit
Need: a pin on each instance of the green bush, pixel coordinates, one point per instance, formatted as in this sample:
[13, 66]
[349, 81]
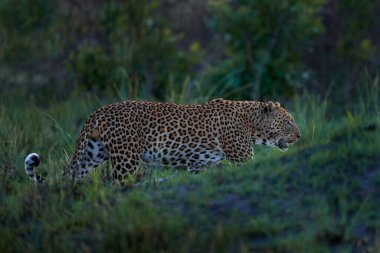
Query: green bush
[354, 41]
[352, 31]
[264, 44]
[139, 52]
[259, 50]
[23, 26]
[91, 66]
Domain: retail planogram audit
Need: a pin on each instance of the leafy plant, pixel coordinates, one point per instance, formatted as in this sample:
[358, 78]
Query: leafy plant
[264, 43]
[22, 25]
[139, 52]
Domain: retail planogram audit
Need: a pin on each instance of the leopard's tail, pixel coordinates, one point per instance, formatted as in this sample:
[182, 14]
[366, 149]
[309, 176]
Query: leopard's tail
[31, 162]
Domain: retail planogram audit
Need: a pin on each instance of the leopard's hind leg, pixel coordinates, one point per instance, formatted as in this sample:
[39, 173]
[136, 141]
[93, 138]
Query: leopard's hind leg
[94, 153]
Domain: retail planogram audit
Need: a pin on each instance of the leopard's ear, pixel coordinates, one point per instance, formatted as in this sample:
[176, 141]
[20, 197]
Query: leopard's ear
[277, 104]
[269, 107]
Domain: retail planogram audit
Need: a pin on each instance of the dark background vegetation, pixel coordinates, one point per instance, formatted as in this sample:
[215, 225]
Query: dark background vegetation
[61, 60]
[149, 49]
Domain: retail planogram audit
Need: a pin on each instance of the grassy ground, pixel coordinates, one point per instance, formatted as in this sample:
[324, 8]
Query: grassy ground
[323, 195]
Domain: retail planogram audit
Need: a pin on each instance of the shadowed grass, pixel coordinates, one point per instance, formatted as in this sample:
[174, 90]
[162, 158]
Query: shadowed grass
[322, 195]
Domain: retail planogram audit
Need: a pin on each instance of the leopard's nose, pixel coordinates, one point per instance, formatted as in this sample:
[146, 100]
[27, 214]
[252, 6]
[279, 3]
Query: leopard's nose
[296, 136]
[298, 133]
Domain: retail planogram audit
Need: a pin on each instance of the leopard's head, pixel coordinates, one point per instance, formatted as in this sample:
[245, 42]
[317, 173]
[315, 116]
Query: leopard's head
[276, 127]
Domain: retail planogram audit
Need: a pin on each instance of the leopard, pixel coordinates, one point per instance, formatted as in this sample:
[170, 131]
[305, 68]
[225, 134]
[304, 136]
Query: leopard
[132, 133]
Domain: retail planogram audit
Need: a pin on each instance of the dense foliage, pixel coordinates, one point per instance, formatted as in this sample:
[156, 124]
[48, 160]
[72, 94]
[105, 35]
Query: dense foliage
[246, 49]
[265, 41]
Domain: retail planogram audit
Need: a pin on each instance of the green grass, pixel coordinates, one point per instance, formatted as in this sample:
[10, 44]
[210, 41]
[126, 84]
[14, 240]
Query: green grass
[322, 195]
